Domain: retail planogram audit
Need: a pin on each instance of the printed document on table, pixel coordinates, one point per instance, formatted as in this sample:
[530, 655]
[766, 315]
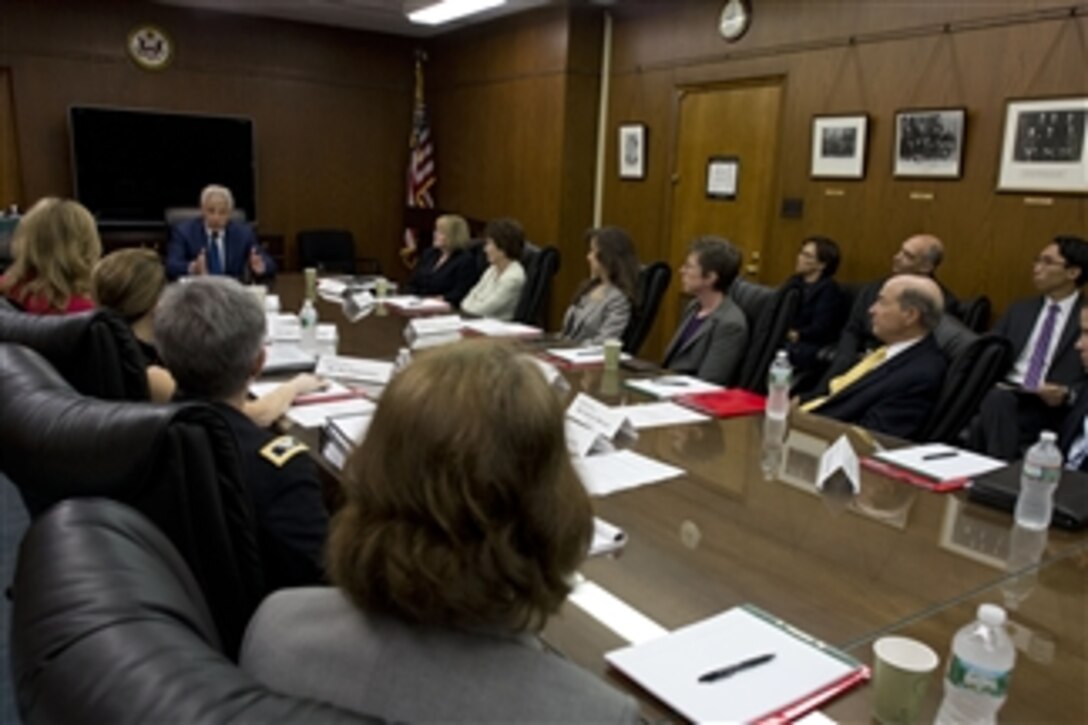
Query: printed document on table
[582, 355]
[670, 386]
[377, 372]
[499, 328]
[312, 416]
[940, 462]
[411, 303]
[332, 389]
[657, 415]
[611, 472]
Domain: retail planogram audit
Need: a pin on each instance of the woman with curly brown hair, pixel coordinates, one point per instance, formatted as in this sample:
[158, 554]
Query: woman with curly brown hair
[55, 247]
[459, 539]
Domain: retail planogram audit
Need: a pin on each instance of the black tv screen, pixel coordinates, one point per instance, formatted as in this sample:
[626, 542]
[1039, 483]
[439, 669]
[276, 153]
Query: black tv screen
[132, 165]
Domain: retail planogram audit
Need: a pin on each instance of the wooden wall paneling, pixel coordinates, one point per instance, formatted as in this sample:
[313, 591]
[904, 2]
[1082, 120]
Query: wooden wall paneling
[331, 108]
[10, 176]
[991, 238]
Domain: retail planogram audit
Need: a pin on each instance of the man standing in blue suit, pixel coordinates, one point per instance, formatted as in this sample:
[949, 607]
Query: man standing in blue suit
[214, 244]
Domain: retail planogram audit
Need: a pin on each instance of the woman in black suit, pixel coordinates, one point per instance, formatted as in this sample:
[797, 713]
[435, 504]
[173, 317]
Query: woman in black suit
[820, 315]
[446, 269]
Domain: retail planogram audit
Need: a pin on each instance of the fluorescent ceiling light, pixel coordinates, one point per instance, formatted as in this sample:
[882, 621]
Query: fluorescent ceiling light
[447, 10]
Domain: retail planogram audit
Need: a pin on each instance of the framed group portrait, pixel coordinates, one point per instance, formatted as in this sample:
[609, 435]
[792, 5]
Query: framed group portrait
[1043, 147]
[929, 143]
[632, 151]
[838, 146]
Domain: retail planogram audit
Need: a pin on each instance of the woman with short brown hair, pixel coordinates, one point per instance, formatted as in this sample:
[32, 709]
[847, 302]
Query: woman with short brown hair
[463, 527]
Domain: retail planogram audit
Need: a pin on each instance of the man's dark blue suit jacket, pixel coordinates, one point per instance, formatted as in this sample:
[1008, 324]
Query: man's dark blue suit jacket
[190, 237]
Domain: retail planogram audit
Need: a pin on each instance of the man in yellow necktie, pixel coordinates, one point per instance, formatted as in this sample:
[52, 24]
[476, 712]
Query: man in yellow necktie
[894, 388]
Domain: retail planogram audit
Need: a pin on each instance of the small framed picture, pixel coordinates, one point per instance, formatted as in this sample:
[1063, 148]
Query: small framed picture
[929, 143]
[722, 174]
[838, 146]
[1043, 148]
[632, 151]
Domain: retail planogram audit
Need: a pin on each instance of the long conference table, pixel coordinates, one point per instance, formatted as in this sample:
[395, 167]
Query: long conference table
[740, 527]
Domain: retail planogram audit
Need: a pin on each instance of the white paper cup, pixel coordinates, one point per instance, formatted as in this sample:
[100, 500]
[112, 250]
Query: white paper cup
[903, 668]
[612, 354]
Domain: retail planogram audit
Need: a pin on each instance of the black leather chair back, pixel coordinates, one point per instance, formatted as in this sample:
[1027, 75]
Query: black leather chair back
[770, 313]
[540, 267]
[178, 464]
[329, 250]
[975, 312]
[109, 626]
[94, 351]
[971, 373]
[953, 337]
[653, 281]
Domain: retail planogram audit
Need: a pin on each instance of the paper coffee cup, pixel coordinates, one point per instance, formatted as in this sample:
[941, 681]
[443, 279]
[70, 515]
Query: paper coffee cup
[612, 354]
[902, 671]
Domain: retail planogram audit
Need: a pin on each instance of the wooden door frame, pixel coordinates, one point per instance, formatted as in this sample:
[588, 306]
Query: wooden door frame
[679, 91]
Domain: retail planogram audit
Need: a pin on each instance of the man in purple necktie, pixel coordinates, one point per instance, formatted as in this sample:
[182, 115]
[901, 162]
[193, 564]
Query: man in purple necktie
[1043, 330]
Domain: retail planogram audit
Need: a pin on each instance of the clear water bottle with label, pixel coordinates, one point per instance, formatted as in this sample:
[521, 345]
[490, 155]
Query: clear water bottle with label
[307, 322]
[779, 379]
[1038, 478]
[976, 682]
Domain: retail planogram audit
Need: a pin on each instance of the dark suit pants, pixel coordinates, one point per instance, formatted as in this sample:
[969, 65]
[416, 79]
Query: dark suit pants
[1008, 422]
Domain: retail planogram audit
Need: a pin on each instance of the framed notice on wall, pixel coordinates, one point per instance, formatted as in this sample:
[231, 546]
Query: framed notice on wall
[1044, 148]
[632, 151]
[722, 174]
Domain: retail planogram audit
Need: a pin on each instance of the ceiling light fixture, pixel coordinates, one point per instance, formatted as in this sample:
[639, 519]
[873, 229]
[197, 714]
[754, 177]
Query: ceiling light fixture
[448, 10]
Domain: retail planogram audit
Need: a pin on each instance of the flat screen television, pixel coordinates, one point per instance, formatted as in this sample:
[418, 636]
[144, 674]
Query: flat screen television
[132, 165]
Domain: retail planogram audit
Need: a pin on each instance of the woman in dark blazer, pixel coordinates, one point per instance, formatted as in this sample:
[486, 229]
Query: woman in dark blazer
[446, 269]
[603, 304]
[821, 314]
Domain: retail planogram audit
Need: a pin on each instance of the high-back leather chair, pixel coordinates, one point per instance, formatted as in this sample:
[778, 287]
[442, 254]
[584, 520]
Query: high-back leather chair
[975, 312]
[94, 351]
[653, 281]
[332, 250]
[178, 464]
[540, 267]
[770, 313]
[109, 626]
[971, 373]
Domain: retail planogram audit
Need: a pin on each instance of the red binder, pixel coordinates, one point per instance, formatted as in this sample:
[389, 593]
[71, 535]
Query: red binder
[725, 403]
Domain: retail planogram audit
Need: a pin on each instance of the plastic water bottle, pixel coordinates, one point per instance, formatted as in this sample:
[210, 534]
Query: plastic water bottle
[779, 380]
[774, 439]
[1039, 477]
[403, 359]
[307, 322]
[977, 680]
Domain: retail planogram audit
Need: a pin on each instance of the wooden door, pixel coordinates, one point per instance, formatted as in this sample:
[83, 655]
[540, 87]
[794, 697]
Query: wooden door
[739, 121]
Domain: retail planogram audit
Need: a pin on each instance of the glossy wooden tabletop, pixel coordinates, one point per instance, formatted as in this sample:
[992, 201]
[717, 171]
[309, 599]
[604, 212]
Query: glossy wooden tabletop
[746, 524]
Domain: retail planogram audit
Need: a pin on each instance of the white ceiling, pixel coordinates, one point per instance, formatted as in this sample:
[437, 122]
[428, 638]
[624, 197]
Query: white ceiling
[383, 16]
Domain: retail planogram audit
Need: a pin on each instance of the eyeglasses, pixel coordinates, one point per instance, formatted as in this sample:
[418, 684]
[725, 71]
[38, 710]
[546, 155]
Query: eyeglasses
[1050, 261]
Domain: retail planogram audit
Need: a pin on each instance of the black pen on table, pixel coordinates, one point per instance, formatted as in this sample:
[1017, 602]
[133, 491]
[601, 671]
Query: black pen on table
[940, 454]
[730, 670]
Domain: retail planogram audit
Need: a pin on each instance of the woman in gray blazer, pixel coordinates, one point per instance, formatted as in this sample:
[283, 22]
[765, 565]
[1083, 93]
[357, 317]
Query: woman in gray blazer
[458, 540]
[603, 304]
[714, 332]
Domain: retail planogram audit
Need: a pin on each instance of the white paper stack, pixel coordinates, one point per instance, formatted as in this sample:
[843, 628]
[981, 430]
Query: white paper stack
[410, 304]
[488, 327]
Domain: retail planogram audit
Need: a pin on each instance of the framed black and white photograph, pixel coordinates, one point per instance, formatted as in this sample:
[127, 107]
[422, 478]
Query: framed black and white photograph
[632, 151]
[838, 146]
[1043, 148]
[929, 143]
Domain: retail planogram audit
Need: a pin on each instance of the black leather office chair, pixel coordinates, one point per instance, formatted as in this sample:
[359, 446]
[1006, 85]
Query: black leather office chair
[94, 351]
[178, 464]
[333, 250]
[653, 281]
[109, 626]
[770, 313]
[975, 313]
[540, 267]
[971, 373]
[953, 337]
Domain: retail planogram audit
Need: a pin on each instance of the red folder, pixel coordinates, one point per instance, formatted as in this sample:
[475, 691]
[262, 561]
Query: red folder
[915, 479]
[725, 403]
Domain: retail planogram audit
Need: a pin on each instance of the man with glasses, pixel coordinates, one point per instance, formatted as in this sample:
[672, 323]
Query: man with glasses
[1043, 330]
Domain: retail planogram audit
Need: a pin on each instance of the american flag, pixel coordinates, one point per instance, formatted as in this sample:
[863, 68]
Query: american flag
[421, 173]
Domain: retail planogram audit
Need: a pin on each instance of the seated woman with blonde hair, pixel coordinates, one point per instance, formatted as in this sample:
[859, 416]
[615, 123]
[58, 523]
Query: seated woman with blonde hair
[446, 269]
[602, 306]
[459, 538]
[54, 247]
[130, 282]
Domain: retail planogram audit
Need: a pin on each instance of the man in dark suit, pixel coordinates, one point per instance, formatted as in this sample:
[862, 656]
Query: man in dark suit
[1073, 438]
[214, 244]
[894, 388]
[1043, 330]
[920, 254]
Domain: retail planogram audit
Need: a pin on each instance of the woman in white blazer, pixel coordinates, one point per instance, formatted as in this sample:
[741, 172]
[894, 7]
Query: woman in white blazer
[499, 289]
[458, 540]
[603, 305]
